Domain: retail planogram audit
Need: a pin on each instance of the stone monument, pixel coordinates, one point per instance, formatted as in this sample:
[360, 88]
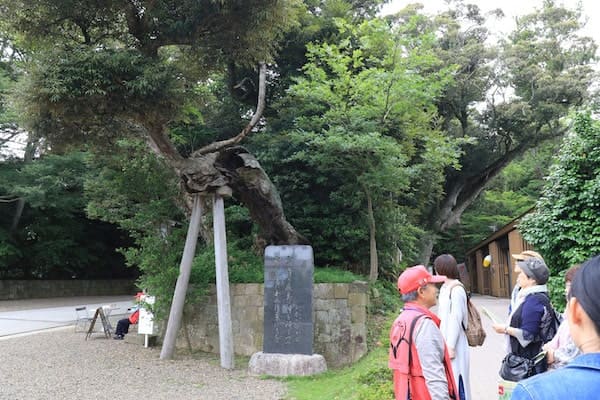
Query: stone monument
[288, 324]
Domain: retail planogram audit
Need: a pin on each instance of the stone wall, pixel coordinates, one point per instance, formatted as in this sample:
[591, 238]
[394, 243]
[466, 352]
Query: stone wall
[33, 289]
[339, 318]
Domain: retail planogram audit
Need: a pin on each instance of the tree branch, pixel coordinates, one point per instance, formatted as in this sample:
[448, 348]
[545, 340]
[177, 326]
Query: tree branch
[9, 199]
[462, 194]
[9, 136]
[260, 106]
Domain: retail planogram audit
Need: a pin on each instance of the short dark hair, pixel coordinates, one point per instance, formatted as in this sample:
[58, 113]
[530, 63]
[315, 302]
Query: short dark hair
[445, 265]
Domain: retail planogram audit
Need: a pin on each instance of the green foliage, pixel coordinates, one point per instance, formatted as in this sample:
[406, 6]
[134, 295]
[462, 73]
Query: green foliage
[10, 253]
[383, 297]
[244, 266]
[508, 196]
[565, 225]
[556, 288]
[376, 384]
[7, 115]
[335, 275]
[216, 30]
[53, 239]
[136, 191]
[85, 94]
[506, 98]
[157, 257]
[357, 125]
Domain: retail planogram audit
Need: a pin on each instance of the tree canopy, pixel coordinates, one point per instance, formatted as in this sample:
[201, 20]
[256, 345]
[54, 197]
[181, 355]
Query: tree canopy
[507, 98]
[356, 131]
[565, 224]
[378, 132]
[53, 238]
[111, 69]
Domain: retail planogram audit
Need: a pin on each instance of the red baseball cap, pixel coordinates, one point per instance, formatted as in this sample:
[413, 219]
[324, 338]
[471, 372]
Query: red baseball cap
[415, 277]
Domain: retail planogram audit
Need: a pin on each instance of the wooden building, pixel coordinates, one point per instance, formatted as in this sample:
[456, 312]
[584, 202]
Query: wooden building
[499, 278]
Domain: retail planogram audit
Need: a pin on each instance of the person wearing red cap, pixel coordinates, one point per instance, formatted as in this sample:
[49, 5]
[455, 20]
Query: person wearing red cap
[418, 356]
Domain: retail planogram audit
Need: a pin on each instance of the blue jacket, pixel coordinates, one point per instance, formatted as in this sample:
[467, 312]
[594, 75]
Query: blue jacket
[580, 379]
[528, 318]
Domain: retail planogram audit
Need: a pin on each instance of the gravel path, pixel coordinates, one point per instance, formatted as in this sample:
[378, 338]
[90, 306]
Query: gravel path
[60, 364]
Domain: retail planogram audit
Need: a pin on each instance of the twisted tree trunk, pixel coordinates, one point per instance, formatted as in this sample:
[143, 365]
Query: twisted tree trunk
[221, 168]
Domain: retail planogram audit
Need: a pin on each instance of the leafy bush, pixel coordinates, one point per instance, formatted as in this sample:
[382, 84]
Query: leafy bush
[565, 224]
[384, 298]
[556, 288]
[335, 275]
[158, 259]
[243, 265]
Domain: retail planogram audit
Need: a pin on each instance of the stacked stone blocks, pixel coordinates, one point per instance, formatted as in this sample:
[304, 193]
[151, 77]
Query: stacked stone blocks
[339, 318]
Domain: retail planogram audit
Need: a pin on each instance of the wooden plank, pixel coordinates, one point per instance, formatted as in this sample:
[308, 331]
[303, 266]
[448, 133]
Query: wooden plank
[223, 299]
[105, 325]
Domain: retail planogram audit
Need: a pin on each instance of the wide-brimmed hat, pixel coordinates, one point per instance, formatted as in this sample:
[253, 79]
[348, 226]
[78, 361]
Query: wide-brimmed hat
[524, 255]
[415, 277]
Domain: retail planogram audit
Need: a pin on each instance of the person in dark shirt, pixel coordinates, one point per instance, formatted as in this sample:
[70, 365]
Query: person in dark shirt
[123, 324]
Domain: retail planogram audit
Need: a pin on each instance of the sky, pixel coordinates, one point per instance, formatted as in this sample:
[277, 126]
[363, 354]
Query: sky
[511, 8]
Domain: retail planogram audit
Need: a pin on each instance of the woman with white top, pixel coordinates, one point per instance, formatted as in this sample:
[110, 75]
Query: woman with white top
[452, 310]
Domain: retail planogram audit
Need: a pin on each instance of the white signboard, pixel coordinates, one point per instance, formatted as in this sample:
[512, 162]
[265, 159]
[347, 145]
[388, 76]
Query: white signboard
[146, 322]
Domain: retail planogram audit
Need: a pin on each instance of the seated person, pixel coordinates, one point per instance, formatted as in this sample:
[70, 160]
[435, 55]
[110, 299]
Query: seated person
[123, 324]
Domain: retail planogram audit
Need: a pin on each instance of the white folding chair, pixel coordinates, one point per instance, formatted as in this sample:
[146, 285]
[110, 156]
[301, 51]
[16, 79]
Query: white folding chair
[83, 319]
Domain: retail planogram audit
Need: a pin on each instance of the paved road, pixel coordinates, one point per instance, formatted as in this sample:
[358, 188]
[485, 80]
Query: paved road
[29, 316]
[485, 360]
[59, 363]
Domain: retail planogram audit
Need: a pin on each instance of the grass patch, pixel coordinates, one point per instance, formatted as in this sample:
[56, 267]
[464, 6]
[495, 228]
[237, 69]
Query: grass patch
[247, 267]
[368, 379]
[334, 275]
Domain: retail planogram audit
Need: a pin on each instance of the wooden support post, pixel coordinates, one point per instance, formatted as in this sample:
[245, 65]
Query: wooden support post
[223, 299]
[181, 286]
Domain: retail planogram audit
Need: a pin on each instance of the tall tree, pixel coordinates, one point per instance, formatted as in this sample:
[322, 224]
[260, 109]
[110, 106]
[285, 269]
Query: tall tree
[356, 131]
[119, 67]
[507, 99]
[115, 68]
[512, 193]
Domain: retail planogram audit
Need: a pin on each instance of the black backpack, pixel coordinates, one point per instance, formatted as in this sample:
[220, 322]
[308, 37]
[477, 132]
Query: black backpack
[551, 319]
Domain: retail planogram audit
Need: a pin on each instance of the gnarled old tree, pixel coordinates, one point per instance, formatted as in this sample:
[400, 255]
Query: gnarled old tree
[111, 68]
[505, 99]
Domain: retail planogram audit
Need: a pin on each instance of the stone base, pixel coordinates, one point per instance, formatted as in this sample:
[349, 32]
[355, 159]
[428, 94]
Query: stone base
[275, 364]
